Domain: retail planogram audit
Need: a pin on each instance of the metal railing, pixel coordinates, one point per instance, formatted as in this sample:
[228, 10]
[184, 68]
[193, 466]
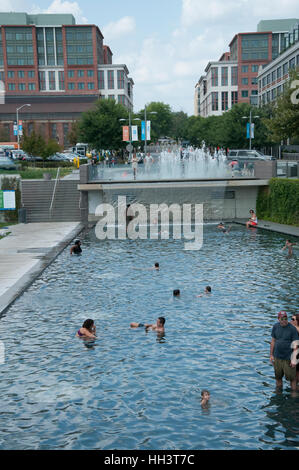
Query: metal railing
[54, 191]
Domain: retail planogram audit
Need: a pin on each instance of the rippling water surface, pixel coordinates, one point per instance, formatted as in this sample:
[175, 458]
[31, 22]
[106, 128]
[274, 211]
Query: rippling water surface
[134, 390]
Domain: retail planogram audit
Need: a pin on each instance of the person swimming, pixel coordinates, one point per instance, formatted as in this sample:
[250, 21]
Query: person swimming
[289, 246]
[176, 293]
[205, 397]
[87, 330]
[208, 290]
[76, 248]
[158, 326]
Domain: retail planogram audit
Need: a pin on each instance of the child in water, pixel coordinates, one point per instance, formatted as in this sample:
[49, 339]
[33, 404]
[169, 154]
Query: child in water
[205, 397]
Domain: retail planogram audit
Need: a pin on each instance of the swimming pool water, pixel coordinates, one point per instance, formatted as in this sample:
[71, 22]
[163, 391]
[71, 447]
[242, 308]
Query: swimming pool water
[135, 390]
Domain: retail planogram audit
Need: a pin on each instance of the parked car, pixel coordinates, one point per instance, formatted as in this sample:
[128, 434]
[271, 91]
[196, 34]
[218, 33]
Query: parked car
[6, 163]
[244, 155]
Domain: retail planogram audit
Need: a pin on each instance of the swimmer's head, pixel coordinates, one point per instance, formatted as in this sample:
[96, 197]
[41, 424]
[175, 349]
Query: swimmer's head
[77, 242]
[176, 292]
[157, 265]
[161, 321]
[251, 211]
[205, 394]
[208, 289]
[88, 324]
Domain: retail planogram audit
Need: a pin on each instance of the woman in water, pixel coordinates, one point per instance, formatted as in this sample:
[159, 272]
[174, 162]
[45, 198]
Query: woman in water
[252, 222]
[88, 330]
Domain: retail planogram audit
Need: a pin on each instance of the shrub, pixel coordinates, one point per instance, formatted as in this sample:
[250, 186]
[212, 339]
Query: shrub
[279, 202]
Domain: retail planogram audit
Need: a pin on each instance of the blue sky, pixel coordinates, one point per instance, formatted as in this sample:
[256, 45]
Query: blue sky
[166, 44]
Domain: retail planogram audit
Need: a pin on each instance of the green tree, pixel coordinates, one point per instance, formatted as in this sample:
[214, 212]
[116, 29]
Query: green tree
[33, 144]
[284, 123]
[100, 126]
[49, 148]
[161, 120]
[179, 125]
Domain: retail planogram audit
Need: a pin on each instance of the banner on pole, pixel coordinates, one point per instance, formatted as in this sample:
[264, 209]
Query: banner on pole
[126, 134]
[148, 130]
[134, 133]
[252, 131]
[142, 130]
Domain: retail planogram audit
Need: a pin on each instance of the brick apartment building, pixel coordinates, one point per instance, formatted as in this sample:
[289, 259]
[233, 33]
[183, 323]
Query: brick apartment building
[59, 68]
[234, 78]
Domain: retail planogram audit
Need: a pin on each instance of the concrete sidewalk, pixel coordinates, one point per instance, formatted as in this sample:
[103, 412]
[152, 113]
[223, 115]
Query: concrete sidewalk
[27, 251]
[274, 227]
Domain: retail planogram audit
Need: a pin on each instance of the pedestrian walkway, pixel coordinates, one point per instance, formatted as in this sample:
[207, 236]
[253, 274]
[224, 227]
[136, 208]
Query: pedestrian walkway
[274, 227]
[27, 251]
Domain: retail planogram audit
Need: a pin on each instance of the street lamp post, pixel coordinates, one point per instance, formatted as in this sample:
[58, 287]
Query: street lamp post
[250, 122]
[130, 131]
[18, 135]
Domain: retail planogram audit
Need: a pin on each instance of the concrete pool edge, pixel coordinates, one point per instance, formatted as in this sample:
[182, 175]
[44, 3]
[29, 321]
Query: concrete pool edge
[290, 230]
[43, 260]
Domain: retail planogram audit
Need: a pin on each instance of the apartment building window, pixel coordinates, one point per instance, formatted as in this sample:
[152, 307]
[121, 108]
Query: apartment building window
[279, 90]
[52, 82]
[21, 73]
[22, 87]
[273, 94]
[101, 79]
[71, 86]
[81, 85]
[268, 79]
[42, 80]
[264, 82]
[254, 68]
[120, 79]
[234, 79]
[11, 86]
[111, 97]
[278, 73]
[273, 76]
[254, 92]
[80, 73]
[244, 68]
[111, 79]
[53, 130]
[66, 133]
[31, 74]
[2, 76]
[292, 63]
[244, 81]
[61, 80]
[268, 96]
[234, 97]
[214, 101]
[214, 74]
[90, 85]
[121, 99]
[285, 69]
[244, 93]
[70, 73]
[10, 74]
[90, 73]
[224, 100]
[224, 75]
[31, 86]
[297, 59]
[254, 81]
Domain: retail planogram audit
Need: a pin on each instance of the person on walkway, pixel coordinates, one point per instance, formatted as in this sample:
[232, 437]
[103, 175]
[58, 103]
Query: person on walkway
[252, 222]
[283, 335]
[87, 330]
[134, 164]
[76, 248]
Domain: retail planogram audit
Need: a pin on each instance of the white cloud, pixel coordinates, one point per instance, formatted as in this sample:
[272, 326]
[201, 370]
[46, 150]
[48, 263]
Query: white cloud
[199, 11]
[122, 27]
[60, 6]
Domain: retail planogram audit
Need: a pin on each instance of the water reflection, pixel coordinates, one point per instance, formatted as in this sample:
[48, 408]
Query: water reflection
[283, 415]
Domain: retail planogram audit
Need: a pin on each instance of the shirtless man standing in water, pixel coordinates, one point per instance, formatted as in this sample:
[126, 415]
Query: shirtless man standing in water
[289, 246]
